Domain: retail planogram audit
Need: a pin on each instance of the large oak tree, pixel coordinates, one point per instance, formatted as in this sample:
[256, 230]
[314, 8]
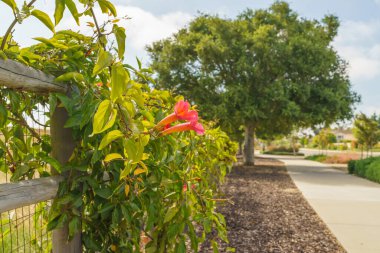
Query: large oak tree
[269, 70]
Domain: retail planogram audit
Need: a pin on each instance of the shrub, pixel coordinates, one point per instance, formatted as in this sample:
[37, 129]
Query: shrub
[351, 166]
[367, 168]
[362, 165]
[373, 171]
[282, 149]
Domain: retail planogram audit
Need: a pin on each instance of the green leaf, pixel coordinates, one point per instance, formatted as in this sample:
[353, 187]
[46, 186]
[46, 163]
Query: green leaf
[110, 137]
[57, 222]
[147, 115]
[59, 10]
[3, 56]
[134, 150]
[104, 117]
[74, 226]
[44, 18]
[3, 115]
[104, 60]
[120, 39]
[50, 160]
[112, 156]
[215, 247]
[73, 121]
[119, 80]
[138, 62]
[181, 247]
[104, 193]
[51, 43]
[19, 172]
[137, 97]
[106, 6]
[173, 210]
[73, 9]
[11, 3]
[78, 77]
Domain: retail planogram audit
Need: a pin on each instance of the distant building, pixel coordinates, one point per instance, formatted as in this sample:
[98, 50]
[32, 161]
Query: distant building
[343, 135]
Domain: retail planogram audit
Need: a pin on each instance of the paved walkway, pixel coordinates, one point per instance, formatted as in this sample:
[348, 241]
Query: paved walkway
[349, 205]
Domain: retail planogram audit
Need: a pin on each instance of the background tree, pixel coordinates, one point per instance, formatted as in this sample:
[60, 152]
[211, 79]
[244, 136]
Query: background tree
[268, 70]
[366, 131]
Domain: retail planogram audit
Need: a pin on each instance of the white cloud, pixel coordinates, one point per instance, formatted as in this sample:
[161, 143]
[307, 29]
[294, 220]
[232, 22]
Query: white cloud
[358, 43]
[354, 31]
[142, 28]
[368, 109]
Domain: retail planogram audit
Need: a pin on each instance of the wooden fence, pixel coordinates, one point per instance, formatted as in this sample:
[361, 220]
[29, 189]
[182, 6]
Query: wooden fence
[16, 195]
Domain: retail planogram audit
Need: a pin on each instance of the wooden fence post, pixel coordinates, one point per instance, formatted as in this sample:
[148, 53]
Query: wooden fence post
[62, 147]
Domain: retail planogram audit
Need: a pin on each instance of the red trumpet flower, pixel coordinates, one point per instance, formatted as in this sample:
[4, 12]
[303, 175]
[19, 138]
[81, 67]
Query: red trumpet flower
[193, 125]
[181, 112]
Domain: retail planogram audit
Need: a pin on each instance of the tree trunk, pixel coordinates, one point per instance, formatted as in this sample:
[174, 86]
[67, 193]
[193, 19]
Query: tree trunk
[240, 151]
[361, 157]
[249, 145]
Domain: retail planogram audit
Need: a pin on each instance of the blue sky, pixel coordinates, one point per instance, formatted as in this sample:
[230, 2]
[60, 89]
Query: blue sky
[358, 40]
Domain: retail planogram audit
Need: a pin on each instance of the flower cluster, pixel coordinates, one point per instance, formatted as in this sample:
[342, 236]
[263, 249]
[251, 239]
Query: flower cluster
[181, 112]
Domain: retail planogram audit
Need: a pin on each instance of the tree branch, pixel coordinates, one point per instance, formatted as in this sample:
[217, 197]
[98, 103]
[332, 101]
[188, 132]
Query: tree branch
[23, 123]
[97, 27]
[10, 28]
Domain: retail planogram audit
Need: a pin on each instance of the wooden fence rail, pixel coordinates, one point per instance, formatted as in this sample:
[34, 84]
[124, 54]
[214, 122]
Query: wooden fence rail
[28, 192]
[18, 76]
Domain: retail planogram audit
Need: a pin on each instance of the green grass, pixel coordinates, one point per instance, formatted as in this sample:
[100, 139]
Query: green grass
[22, 230]
[282, 153]
[317, 158]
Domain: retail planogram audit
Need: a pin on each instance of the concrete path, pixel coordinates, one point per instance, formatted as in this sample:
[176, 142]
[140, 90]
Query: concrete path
[349, 205]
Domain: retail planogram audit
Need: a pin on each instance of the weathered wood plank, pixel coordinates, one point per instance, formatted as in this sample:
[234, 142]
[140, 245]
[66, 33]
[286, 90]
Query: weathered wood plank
[28, 192]
[19, 76]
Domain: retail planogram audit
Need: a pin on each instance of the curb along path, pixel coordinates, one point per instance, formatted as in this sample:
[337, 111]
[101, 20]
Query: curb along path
[349, 205]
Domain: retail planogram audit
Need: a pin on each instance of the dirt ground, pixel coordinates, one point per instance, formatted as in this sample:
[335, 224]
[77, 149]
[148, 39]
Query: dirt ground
[269, 213]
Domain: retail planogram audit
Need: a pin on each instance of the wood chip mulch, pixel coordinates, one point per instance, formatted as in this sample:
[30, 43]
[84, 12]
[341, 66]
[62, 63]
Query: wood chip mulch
[270, 214]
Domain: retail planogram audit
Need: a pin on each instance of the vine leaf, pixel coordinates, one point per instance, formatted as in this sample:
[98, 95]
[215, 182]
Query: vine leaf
[107, 6]
[104, 60]
[134, 150]
[173, 210]
[104, 117]
[44, 18]
[59, 10]
[120, 78]
[139, 171]
[120, 39]
[126, 190]
[3, 115]
[112, 156]
[11, 3]
[110, 137]
[73, 9]
[50, 160]
[78, 77]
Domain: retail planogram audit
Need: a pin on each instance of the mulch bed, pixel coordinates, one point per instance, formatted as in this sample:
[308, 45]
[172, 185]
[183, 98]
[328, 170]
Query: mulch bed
[270, 214]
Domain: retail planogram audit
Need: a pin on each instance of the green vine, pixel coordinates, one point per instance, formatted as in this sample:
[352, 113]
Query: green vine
[139, 178]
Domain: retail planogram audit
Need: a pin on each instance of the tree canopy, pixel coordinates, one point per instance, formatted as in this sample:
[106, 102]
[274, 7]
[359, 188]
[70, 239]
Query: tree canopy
[366, 130]
[269, 70]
